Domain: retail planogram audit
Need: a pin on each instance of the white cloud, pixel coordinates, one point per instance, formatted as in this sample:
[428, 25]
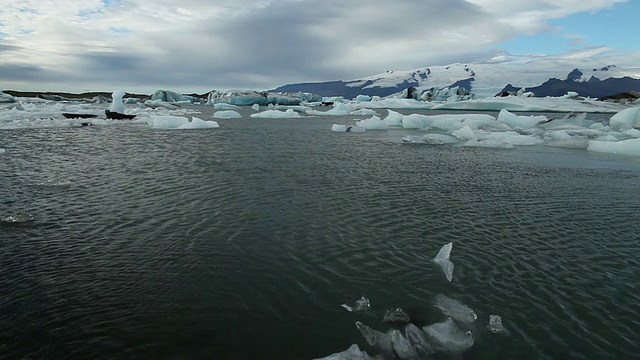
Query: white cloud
[194, 45]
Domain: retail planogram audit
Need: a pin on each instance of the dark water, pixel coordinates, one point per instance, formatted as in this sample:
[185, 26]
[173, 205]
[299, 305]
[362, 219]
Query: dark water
[242, 242]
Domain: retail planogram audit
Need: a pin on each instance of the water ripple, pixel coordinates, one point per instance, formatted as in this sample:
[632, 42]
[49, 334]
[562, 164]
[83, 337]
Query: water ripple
[243, 242]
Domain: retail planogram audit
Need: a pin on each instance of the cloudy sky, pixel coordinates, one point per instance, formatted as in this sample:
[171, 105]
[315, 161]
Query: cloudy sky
[200, 45]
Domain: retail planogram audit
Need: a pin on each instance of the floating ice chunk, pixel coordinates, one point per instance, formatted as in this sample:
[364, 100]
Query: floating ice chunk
[339, 128]
[465, 133]
[227, 114]
[396, 316]
[197, 123]
[338, 109]
[375, 338]
[393, 118]
[276, 114]
[442, 259]
[226, 106]
[416, 121]
[179, 122]
[418, 340]
[626, 119]
[373, 123]
[117, 105]
[363, 98]
[447, 336]
[627, 147]
[352, 353]
[495, 325]
[256, 107]
[361, 304]
[2, 151]
[401, 345]
[516, 121]
[455, 309]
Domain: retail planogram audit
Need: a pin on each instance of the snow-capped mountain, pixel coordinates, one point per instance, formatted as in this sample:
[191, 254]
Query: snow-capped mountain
[484, 80]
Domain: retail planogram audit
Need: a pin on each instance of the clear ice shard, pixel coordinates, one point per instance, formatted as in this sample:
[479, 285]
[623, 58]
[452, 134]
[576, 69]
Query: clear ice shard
[495, 324]
[455, 309]
[401, 345]
[447, 336]
[375, 338]
[442, 259]
[361, 304]
[418, 340]
[352, 353]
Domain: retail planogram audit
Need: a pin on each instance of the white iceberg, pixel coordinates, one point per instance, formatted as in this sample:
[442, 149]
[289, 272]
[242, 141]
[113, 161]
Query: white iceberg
[448, 337]
[179, 122]
[442, 259]
[455, 309]
[401, 345]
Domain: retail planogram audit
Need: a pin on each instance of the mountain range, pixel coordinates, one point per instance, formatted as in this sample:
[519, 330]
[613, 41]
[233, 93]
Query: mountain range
[484, 80]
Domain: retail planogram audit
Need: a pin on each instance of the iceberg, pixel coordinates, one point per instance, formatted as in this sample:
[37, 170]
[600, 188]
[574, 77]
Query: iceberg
[179, 122]
[117, 106]
[418, 340]
[373, 123]
[396, 316]
[227, 114]
[625, 147]
[495, 325]
[517, 121]
[626, 119]
[276, 114]
[251, 97]
[6, 98]
[361, 304]
[172, 97]
[442, 259]
[379, 341]
[448, 337]
[455, 309]
[401, 345]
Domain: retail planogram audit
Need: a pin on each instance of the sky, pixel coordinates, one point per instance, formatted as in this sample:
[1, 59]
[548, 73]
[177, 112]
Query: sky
[195, 46]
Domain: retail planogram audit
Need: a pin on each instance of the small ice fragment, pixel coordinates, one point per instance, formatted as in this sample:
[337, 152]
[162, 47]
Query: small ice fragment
[361, 304]
[455, 309]
[495, 324]
[401, 345]
[447, 336]
[442, 259]
[418, 340]
[397, 316]
[256, 107]
[375, 338]
[2, 151]
[352, 353]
